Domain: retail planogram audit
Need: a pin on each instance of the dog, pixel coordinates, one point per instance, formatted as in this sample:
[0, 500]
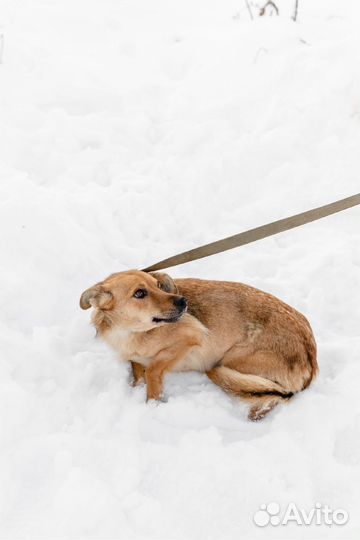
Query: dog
[248, 342]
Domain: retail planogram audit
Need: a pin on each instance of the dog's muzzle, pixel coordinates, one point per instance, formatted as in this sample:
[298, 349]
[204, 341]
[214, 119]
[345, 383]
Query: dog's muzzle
[181, 307]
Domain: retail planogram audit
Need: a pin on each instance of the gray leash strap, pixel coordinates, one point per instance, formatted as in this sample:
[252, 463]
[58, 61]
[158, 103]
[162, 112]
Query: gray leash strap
[258, 233]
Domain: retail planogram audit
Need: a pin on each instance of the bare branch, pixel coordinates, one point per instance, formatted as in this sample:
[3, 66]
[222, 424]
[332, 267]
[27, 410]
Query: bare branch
[295, 10]
[249, 10]
[262, 11]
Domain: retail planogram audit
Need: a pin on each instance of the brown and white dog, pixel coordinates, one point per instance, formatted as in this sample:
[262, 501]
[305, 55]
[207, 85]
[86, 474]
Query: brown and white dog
[248, 342]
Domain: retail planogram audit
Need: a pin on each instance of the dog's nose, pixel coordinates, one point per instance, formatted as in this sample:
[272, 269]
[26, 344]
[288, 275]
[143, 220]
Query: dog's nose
[180, 302]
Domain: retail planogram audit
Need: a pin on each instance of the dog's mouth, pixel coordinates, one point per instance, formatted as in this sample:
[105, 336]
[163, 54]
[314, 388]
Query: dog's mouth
[171, 319]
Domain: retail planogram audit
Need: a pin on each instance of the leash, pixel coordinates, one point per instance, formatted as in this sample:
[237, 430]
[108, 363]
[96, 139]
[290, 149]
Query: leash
[258, 233]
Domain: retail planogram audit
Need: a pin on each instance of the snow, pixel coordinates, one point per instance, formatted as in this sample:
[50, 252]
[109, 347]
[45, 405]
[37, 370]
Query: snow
[131, 131]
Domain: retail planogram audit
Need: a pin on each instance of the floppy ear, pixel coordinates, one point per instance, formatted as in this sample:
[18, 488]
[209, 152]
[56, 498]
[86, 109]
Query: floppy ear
[96, 296]
[166, 283]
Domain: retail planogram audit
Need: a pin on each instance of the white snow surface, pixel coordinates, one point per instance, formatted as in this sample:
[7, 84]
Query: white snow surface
[130, 131]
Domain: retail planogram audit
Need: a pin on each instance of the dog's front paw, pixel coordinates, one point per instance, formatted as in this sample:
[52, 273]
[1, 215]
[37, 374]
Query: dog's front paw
[138, 374]
[137, 382]
[156, 401]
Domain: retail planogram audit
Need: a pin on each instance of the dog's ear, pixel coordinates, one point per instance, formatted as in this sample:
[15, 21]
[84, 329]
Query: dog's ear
[166, 283]
[96, 296]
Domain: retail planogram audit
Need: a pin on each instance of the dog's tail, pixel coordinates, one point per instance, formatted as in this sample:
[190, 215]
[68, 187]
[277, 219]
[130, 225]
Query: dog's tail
[263, 394]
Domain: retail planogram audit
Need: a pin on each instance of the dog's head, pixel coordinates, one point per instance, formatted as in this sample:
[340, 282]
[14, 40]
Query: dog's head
[134, 301]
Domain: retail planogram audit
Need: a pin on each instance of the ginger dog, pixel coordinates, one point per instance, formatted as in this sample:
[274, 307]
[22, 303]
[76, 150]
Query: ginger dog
[248, 342]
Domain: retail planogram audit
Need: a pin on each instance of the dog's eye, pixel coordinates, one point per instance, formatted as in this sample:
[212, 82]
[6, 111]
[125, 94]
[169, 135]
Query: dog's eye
[140, 293]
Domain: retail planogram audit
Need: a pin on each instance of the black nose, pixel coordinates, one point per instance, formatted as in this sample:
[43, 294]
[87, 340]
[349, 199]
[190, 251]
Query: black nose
[180, 302]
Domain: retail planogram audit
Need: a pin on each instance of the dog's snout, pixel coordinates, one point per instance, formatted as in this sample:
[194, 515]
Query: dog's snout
[180, 302]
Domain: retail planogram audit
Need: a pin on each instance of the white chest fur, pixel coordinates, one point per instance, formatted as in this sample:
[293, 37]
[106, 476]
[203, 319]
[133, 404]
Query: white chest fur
[126, 344]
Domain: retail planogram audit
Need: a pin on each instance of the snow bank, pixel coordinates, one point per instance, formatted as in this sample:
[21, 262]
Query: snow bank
[131, 131]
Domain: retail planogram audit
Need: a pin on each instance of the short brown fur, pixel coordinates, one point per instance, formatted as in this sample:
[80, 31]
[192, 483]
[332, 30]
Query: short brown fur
[248, 342]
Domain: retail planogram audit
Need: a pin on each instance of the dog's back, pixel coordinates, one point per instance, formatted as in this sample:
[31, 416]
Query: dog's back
[260, 335]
